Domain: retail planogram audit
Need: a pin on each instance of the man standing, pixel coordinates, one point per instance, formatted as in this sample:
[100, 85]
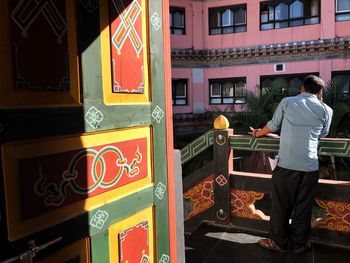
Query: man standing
[303, 120]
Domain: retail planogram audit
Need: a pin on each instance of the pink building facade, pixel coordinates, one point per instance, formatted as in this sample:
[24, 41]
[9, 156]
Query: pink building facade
[221, 49]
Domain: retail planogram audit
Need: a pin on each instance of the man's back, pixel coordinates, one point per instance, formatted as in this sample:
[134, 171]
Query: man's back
[304, 120]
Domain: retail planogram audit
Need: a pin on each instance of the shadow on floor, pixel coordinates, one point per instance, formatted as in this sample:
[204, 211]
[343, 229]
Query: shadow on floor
[214, 244]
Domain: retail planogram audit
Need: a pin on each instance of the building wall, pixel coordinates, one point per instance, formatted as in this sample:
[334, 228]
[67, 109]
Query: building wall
[197, 37]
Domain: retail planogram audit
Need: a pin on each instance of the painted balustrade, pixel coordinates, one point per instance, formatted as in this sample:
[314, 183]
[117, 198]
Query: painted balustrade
[221, 194]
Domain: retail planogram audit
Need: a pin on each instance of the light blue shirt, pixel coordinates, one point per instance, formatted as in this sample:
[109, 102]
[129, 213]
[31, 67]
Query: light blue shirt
[304, 120]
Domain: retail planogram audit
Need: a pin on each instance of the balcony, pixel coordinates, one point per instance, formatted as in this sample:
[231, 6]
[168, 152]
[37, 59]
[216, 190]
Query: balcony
[227, 209]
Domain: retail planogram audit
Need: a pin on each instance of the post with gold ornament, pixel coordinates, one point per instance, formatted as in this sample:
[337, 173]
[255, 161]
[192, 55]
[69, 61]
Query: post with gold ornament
[223, 166]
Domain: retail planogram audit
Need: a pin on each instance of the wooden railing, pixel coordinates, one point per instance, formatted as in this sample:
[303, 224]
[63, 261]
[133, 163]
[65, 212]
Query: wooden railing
[219, 193]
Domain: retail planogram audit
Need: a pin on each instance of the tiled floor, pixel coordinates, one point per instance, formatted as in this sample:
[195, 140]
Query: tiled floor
[212, 244]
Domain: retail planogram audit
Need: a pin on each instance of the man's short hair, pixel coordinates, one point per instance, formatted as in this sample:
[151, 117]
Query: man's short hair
[313, 84]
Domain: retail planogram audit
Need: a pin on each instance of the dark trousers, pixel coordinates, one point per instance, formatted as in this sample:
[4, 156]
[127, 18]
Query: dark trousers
[293, 194]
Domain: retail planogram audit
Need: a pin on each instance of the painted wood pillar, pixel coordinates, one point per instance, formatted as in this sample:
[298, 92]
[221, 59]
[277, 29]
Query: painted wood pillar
[223, 166]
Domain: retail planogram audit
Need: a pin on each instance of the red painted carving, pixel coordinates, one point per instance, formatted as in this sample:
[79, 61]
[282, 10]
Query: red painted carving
[338, 216]
[39, 27]
[127, 46]
[61, 179]
[242, 204]
[201, 195]
[134, 245]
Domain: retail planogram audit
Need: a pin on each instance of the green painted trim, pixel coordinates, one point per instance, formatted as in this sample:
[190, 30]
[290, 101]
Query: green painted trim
[118, 210]
[327, 147]
[159, 131]
[339, 147]
[249, 143]
[100, 248]
[197, 146]
[115, 117]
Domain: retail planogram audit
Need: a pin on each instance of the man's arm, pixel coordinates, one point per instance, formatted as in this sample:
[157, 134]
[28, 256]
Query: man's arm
[274, 124]
[261, 132]
[329, 115]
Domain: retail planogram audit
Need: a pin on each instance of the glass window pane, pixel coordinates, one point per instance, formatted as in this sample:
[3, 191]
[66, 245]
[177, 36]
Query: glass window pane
[171, 20]
[240, 89]
[343, 5]
[227, 30]
[267, 13]
[240, 16]
[178, 31]
[228, 100]
[180, 102]
[179, 19]
[271, 12]
[267, 26]
[215, 90]
[240, 100]
[281, 25]
[215, 31]
[241, 29]
[227, 18]
[298, 22]
[280, 84]
[266, 86]
[264, 17]
[311, 8]
[342, 83]
[281, 11]
[215, 101]
[310, 21]
[295, 85]
[296, 9]
[227, 89]
[214, 19]
[342, 17]
[180, 89]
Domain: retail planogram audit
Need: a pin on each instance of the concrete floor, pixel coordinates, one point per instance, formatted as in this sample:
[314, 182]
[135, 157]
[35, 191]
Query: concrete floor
[213, 244]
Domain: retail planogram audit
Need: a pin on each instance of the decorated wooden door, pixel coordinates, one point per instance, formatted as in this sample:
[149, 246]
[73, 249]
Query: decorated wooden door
[85, 131]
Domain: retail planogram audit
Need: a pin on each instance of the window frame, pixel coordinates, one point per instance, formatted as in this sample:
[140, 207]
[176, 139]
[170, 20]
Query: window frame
[334, 74]
[340, 13]
[278, 97]
[221, 81]
[173, 91]
[275, 22]
[220, 10]
[172, 11]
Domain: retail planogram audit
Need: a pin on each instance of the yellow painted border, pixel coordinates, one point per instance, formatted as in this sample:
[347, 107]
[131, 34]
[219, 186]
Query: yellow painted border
[121, 98]
[80, 248]
[125, 224]
[13, 152]
[11, 97]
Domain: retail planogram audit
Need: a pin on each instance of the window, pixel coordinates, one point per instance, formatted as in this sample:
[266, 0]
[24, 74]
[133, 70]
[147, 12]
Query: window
[227, 91]
[341, 80]
[288, 13]
[342, 10]
[179, 91]
[227, 20]
[283, 85]
[177, 21]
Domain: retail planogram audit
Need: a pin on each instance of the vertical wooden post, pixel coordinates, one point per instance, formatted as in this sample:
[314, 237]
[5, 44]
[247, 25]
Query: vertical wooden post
[223, 166]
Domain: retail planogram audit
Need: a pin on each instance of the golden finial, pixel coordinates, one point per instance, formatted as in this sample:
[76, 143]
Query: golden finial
[221, 123]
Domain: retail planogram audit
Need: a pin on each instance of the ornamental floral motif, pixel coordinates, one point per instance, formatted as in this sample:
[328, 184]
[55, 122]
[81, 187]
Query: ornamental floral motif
[164, 259]
[94, 117]
[338, 216]
[242, 204]
[202, 196]
[156, 21]
[158, 114]
[160, 191]
[221, 180]
[99, 219]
